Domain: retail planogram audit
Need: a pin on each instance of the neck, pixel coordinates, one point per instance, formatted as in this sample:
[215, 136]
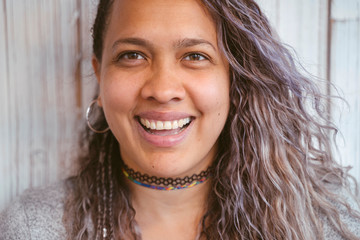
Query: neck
[173, 210]
[188, 197]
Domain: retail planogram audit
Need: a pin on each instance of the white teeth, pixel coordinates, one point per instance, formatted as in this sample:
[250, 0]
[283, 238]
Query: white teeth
[175, 124]
[164, 125]
[167, 125]
[147, 123]
[181, 123]
[159, 125]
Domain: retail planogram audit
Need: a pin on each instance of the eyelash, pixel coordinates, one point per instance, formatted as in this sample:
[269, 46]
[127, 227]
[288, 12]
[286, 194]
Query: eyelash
[200, 55]
[123, 54]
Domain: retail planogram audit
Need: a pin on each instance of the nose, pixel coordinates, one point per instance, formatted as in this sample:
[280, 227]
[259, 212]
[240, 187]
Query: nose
[163, 86]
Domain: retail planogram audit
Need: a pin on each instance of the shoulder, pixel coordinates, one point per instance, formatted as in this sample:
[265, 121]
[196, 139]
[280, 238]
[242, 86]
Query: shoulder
[36, 214]
[349, 217]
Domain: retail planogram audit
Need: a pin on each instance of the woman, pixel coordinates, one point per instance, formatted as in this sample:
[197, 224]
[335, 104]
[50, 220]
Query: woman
[205, 135]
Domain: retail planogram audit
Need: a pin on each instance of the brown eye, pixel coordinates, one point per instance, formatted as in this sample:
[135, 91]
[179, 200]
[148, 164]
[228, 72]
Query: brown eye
[130, 59]
[195, 57]
[131, 56]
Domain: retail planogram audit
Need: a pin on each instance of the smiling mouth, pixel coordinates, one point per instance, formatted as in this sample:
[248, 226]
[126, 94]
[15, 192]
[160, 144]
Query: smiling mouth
[165, 127]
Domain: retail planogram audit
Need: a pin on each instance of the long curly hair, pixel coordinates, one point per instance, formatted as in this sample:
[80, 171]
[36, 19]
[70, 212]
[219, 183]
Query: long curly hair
[274, 175]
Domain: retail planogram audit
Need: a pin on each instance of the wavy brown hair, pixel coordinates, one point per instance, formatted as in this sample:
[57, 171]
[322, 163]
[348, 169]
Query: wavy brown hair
[274, 175]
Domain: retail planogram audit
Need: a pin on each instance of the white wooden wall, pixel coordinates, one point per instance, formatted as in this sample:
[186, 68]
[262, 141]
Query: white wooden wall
[46, 80]
[326, 37]
[45, 83]
[345, 73]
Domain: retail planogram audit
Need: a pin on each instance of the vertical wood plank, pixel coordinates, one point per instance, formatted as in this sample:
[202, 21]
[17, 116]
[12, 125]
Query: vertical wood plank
[345, 74]
[11, 178]
[302, 25]
[5, 187]
[40, 55]
[271, 9]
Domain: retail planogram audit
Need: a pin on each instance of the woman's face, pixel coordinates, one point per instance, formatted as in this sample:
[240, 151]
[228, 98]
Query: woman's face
[164, 85]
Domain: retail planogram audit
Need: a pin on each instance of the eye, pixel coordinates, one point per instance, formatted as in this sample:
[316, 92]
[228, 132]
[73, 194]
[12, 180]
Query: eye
[195, 57]
[130, 59]
[131, 56]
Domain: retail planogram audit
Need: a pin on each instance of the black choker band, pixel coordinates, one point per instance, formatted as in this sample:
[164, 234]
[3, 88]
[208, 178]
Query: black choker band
[165, 183]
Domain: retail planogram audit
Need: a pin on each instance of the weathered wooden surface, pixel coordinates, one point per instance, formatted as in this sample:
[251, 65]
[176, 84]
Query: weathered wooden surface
[46, 79]
[327, 41]
[345, 74]
[302, 25]
[45, 73]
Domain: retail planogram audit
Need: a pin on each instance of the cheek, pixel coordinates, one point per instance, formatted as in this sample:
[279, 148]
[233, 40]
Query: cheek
[117, 94]
[212, 94]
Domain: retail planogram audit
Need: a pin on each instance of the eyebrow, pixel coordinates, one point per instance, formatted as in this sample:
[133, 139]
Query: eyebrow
[134, 41]
[183, 43]
[189, 42]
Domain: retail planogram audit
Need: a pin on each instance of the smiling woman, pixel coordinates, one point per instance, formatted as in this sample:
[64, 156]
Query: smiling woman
[169, 74]
[205, 136]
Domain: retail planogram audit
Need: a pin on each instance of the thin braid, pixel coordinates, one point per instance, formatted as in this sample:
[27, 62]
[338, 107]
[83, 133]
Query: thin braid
[111, 193]
[104, 201]
[101, 194]
[99, 205]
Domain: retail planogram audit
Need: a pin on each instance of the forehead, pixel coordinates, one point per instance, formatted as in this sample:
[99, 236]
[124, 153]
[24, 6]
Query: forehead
[156, 16]
[159, 8]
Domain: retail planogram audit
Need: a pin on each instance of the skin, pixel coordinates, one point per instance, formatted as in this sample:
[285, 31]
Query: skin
[161, 61]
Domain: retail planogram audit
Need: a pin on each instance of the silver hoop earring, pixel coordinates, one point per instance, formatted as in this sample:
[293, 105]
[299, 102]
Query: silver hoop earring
[88, 110]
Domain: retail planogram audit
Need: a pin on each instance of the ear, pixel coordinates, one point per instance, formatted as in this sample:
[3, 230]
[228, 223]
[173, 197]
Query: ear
[96, 67]
[98, 101]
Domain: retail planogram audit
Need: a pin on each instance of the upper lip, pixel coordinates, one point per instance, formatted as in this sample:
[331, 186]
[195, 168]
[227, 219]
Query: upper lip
[163, 116]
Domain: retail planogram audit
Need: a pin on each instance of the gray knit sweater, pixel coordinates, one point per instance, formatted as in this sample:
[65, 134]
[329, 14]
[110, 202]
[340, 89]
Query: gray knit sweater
[37, 215]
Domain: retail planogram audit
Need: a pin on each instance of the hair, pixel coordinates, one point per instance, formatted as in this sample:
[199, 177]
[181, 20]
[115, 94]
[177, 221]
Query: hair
[274, 175]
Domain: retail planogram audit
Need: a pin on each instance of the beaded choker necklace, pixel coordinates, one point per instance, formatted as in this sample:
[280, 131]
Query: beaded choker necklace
[167, 184]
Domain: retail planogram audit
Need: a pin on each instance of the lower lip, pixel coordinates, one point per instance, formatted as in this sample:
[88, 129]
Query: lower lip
[164, 141]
